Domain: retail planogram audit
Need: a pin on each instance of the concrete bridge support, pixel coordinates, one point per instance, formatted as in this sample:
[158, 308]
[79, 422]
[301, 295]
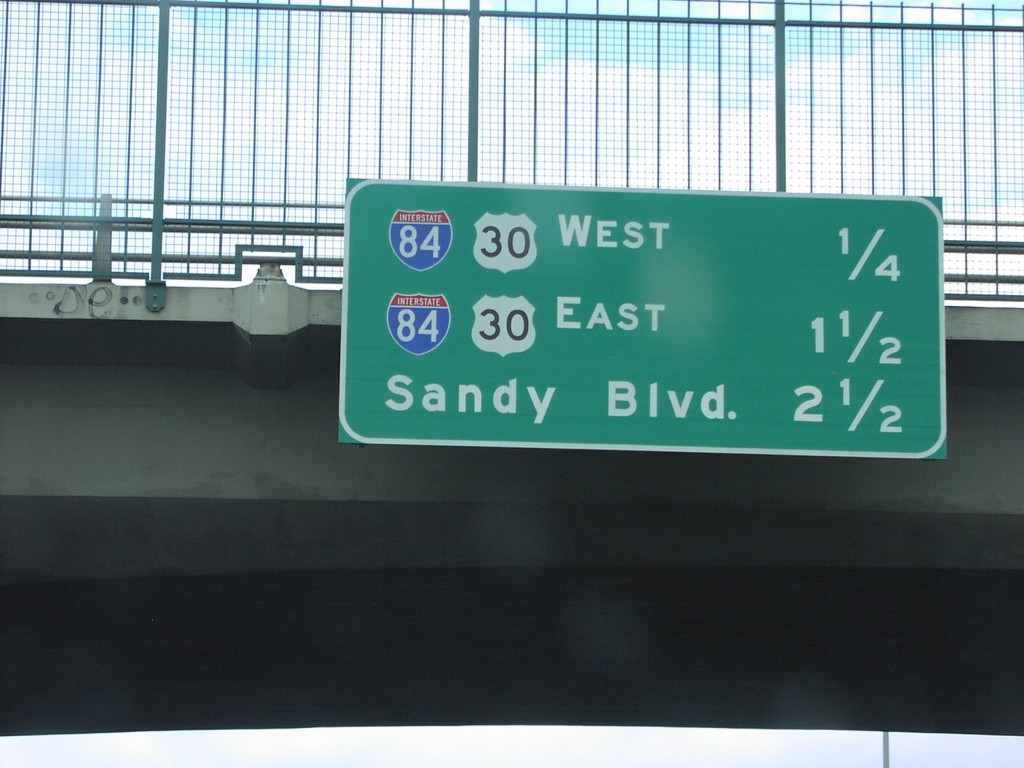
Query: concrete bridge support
[184, 544]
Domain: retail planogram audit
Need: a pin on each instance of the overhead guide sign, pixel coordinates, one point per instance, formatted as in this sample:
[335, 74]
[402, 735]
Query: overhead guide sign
[479, 314]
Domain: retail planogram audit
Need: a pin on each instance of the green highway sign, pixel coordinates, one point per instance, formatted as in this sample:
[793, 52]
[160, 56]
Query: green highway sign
[478, 314]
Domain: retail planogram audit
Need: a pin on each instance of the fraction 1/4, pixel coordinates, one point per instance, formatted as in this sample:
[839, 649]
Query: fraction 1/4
[889, 267]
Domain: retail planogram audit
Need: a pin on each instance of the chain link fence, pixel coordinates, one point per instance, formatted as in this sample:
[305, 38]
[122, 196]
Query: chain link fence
[181, 138]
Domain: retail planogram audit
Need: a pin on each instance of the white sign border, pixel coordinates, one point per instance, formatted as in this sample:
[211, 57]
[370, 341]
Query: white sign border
[344, 425]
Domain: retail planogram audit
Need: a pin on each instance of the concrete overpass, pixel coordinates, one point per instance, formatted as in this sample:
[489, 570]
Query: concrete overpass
[183, 544]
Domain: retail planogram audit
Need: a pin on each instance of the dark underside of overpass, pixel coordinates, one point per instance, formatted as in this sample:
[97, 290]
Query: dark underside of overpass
[574, 637]
[920, 650]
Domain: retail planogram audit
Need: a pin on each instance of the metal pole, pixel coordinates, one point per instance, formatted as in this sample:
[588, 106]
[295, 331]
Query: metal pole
[473, 102]
[102, 242]
[780, 95]
[885, 749]
[155, 289]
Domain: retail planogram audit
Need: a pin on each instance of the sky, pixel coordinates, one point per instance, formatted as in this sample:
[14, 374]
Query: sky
[510, 747]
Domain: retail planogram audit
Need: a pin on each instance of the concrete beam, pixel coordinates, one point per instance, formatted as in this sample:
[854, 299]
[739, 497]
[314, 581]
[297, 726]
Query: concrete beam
[266, 306]
[115, 471]
[271, 306]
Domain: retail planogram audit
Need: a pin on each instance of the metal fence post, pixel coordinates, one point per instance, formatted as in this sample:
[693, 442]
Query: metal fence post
[155, 286]
[780, 95]
[102, 240]
[473, 102]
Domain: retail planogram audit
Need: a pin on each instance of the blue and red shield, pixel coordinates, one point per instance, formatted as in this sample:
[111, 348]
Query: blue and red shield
[418, 323]
[420, 239]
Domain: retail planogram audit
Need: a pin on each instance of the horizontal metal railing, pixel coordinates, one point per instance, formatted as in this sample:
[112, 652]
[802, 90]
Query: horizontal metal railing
[103, 262]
